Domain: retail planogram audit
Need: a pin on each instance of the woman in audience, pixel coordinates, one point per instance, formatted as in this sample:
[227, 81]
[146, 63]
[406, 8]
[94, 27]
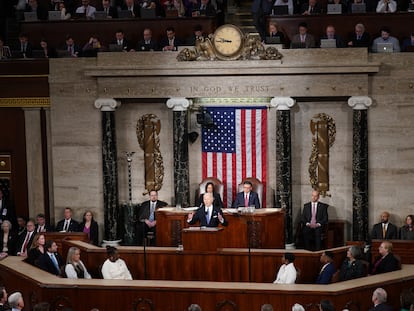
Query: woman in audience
[48, 51]
[114, 268]
[352, 267]
[287, 272]
[8, 239]
[407, 231]
[75, 269]
[274, 32]
[92, 47]
[90, 227]
[210, 189]
[37, 249]
[64, 14]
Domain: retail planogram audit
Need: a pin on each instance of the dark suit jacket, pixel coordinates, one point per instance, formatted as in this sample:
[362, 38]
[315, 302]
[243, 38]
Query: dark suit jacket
[136, 10]
[46, 227]
[200, 215]
[325, 276]
[76, 50]
[144, 211]
[112, 11]
[45, 263]
[93, 234]
[126, 45]
[317, 9]
[152, 46]
[208, 11]
[253, 200]
[339, 42]
[364, 41]
[309, 40]
[73, 226]
[217, 200]
[20, 241]
[164, 42]
[391, 234]
[388, 264]
[321, 213]
[352, 271]
[382, 307]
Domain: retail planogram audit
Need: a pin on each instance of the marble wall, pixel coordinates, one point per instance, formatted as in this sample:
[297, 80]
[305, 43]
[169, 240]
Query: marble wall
[76, 134]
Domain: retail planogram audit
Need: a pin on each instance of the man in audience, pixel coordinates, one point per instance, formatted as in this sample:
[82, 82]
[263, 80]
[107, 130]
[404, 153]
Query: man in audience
[386, 38]
[111, 11]
[206, 8]
[25, 239]
[386, 6]
[120, 40]
[131, 6]
[379, 299]
[266, 307]
[147, 214]
[41, 11]
[170, 42]
[41, 225]
[148, 43]
[67, 224]
[72, 49]
[360, 38]
[25, 49]
[16, 301]
[314, 220]
[247, 197]
[408, 44]
[328, 268]
[385, 262]
[209, 215]
[303, 39]
[384, 230]
[86, 9]
[311, 8]
[289, 3]
[51, 261]
[197, 34]
[330, 34]
[3, 299]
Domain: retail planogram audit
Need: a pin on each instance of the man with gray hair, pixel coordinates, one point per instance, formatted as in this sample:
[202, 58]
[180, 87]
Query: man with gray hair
[194, 307]
[379, 299]
[266, 307]
[16, 301]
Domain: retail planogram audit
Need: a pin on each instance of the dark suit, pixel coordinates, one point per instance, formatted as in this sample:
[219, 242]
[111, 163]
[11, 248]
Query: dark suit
[93, 233]
[135, 11]
[20, 242]
[45, 263]
[309, 41]
[339, 42]
[382, 307]
[314, 233]
[74, 50]
[209, 10]
[317, 9]
[112, 12]
[201, 216]
[386, 264]
[7, 212]
[126, 45]
[325, 276]
[165, 42]
[261, 8]
[352, 270]
[46, 228]
[73, 226]
[364, 41]
[143, 214]
[217, 200]
[253, 200]
[391, 234]
[151, 46]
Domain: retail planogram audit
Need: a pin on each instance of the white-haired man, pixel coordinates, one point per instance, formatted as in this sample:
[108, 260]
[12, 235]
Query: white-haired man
[16, 301]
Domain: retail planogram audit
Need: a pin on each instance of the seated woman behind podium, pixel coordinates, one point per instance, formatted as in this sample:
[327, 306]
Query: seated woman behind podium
[114, 268]
[75, 269]
[210, 189]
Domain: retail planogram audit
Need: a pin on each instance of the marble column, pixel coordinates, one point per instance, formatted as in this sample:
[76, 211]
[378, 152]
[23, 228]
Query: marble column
[179, 106]
[112, 230]
[360, 104]
[284, 162]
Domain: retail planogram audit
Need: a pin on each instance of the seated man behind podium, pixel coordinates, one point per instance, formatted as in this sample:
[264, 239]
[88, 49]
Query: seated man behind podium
[147, 212]
[314, 218]
[208, 214]
[247, 197]
[384, 230]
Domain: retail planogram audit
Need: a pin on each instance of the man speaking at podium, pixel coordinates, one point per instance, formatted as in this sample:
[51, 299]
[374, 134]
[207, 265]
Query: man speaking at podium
[208, 214]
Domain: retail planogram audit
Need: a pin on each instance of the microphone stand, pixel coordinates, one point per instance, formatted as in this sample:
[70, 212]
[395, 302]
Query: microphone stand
[144, 241]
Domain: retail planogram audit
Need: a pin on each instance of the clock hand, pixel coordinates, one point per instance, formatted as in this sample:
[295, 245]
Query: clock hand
[222, 40]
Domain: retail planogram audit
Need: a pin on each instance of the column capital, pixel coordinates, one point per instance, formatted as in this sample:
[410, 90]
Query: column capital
[282, 103]
[178, 103]
[107, 104]
[360, 102]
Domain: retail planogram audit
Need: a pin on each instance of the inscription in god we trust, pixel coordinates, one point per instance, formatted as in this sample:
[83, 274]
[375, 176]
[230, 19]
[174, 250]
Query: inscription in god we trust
[217, 90]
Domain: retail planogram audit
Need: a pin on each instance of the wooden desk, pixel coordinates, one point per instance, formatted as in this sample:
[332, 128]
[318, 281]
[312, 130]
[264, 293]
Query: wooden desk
[265, 228]
[37, 285]
[59, 237]
[202, 239]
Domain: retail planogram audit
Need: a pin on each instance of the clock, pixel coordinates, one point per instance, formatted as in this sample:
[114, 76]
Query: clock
[228, 42]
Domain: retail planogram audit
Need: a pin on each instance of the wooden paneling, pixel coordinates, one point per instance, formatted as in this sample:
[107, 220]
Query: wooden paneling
[402, 248]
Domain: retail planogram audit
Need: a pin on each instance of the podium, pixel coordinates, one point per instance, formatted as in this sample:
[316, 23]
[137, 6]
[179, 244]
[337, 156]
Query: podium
[202, 239]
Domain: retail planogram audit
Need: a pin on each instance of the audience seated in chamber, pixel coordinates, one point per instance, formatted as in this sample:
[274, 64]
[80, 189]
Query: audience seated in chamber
[115, 268]
[75, 269]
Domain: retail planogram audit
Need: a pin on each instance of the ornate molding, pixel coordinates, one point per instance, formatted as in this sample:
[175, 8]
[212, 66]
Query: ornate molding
[282, 103]
[178, 103]
[107, 104]
[25, 102]
[360, 102]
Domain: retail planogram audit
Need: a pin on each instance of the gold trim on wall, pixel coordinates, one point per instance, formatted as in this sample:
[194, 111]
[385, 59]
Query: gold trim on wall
[5, 164]
[25, 102]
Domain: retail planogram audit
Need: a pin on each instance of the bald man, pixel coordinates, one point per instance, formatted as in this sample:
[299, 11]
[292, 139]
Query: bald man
[384, 230]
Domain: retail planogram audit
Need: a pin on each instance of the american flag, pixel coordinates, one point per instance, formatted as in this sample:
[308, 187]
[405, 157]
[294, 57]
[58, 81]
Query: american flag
[235, 148]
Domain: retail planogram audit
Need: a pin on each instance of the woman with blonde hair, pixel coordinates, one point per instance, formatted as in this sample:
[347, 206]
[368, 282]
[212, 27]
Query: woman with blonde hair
[75, 269]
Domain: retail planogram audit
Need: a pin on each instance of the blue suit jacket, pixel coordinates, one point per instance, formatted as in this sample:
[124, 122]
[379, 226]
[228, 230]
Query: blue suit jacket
[200, 215]
[326, 275]
[253, 200]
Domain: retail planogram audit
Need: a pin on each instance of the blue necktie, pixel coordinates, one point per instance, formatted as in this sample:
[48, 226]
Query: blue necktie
[54, 260]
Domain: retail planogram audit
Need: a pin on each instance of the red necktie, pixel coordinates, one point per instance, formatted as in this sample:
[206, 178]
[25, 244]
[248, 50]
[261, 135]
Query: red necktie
[246, 200]
[26, 241]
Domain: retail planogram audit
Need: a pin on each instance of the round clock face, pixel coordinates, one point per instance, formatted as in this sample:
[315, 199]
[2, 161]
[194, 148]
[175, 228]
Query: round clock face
[228, 42]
